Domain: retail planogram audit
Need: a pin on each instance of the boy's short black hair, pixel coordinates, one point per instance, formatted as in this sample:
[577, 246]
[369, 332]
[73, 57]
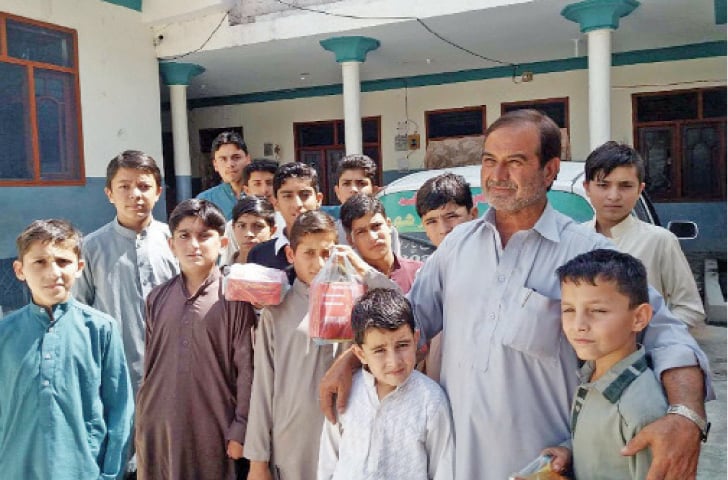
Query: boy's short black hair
[380, 308]
[441, 190]
[609, 156]
[226, 138]
[311, 222]
[295, 170]
[206, 211]
[357, 206]
[357, 162]
[53, 231]
[258, 206]
[259, 165]
[606, 265]
[133, 160]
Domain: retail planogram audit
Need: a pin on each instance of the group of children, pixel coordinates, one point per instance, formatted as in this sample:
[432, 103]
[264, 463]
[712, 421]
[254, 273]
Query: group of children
[215, 382]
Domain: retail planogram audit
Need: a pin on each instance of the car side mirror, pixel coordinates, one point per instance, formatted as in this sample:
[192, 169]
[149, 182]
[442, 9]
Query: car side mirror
[683, 229]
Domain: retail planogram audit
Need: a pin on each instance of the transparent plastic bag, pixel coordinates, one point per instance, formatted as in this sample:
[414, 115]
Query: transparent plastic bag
[332, 295]
[259, 285]
[539, 469]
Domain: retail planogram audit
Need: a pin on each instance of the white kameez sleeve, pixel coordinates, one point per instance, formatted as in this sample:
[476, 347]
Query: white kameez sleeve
[669, 344]
[329, 450]
[679, 285]
[440, 444]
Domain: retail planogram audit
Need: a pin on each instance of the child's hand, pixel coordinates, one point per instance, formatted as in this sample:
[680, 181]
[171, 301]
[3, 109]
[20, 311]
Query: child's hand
[235, 450]
[561, 460]
[360, 265]
[259, 471]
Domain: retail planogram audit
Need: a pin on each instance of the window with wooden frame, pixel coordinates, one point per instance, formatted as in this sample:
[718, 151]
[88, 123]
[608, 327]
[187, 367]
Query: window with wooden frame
[321, 145]
[455, 123]
[40, 114]
[681, 135]
[555, 108]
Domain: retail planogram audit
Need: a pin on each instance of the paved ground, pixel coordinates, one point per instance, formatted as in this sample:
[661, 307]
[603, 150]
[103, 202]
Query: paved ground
[713, 459]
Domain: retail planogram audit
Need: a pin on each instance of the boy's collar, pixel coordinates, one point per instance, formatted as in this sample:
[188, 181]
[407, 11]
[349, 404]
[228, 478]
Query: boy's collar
[56, 311]
[129, 232]
[616, 380]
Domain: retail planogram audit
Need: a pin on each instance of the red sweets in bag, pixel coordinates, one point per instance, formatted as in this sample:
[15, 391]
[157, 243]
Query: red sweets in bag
[331, 297]
[255, 284]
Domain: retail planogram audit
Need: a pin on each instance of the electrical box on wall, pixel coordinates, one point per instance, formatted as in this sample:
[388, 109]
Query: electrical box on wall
[400, 143]
[413, 141]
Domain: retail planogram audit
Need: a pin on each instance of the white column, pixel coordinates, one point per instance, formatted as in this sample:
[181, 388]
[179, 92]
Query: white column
[180, 140]
[352, 109]
[600, 64]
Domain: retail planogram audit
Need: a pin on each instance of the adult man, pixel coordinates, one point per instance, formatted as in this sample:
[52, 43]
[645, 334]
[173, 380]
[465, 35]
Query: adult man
[491, 288]
[614, 179]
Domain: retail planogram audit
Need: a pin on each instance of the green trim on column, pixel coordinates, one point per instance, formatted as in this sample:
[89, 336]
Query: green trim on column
[598, 14]
[635, 57]
[350, 49]
[174, 73]
[720, 12]
[132, 4]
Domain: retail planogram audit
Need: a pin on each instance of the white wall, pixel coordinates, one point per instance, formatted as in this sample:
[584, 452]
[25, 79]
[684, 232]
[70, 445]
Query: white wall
[273, 121]
[119, 77]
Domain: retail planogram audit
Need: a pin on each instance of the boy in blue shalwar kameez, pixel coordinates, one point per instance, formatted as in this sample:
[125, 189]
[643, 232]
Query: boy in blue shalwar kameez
[66, 403]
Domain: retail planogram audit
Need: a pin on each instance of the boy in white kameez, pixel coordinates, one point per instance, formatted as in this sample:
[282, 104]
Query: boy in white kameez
[397, 423]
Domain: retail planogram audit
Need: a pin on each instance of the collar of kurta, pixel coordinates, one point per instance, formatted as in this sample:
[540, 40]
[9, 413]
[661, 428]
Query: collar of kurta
[300, 288]
[211, 279]
[371, 383]
[41, 313]
[549, 225]
[128, 232]
[616, 380]
[619, 229]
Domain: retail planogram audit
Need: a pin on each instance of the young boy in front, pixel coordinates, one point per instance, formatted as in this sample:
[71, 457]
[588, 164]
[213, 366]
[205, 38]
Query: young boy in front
[357, 174]
[66, 403]
[295, 190]
[192, 408]
[605, 306]
[285, 423]
[229, 157]
[614, 180]
[443, 202]
[397, 423]
[368, 230]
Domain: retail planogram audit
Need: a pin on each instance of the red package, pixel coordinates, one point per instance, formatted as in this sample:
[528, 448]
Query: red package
[331, 297]
[255, 284]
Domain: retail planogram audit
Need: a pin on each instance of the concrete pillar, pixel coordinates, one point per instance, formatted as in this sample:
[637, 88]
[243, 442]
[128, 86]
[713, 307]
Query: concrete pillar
[350, 53]
[597, 19]
[352, 107]
[178, 76]
[600, 64]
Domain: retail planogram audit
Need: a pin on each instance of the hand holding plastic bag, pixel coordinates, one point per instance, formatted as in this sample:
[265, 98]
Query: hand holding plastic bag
[332, 295]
